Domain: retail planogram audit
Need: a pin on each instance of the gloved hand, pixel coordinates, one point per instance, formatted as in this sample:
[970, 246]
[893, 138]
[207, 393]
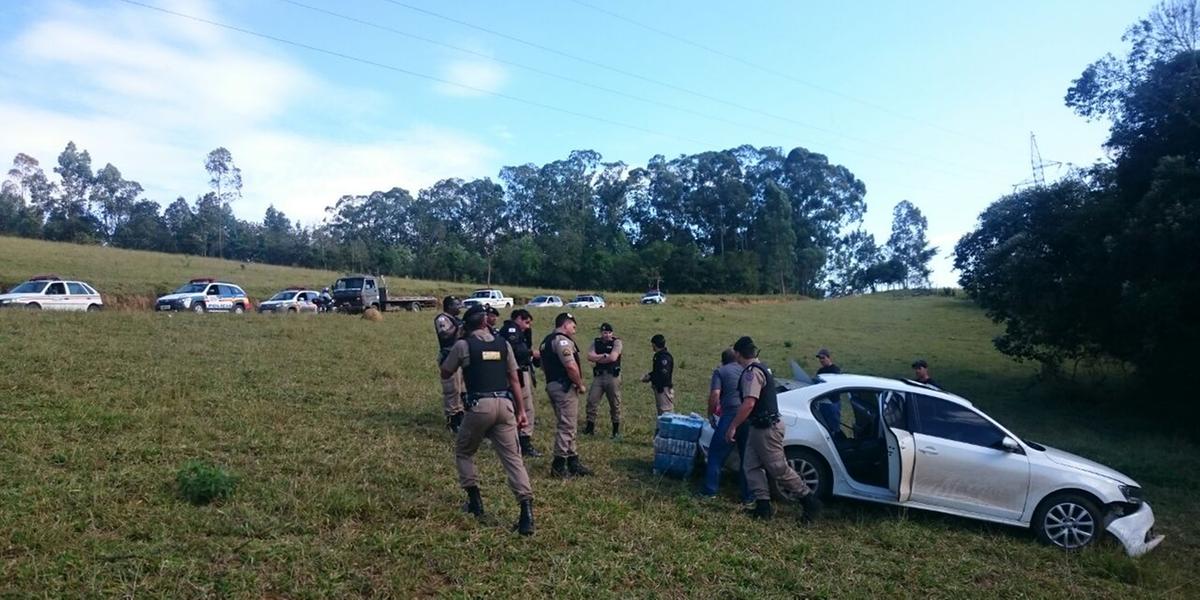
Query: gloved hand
[454, 421]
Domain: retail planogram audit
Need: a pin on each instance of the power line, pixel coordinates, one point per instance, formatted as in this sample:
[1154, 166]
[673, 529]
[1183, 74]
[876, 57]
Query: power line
[665, 84]
[616, 92]
[416, 74]
[781, 74]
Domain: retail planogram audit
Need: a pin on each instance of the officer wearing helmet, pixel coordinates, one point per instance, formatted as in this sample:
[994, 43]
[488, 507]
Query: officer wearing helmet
[449, 329]
[494, 409]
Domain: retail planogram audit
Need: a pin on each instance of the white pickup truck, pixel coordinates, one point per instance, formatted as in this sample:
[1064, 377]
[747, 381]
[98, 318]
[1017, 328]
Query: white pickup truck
[492, 298]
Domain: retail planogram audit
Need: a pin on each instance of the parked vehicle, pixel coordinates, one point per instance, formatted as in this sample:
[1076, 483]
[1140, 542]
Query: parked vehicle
[903, 443]
[544, 301]
[654, 297]
[206, 294]
[355, 293]
[491, 297]
[291, 300]
[51, 292]
[587, 301]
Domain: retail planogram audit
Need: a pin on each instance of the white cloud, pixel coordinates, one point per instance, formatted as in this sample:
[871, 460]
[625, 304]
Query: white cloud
[474, 78]
[153, 94]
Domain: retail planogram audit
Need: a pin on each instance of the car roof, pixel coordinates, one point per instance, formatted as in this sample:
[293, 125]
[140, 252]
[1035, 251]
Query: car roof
[829, 381]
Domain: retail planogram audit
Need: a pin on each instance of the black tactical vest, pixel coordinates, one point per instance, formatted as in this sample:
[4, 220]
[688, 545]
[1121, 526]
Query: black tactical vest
[603, 347]
[552, 362]
[446, 340]
[488, 369]
[520, 345]
[766, 408]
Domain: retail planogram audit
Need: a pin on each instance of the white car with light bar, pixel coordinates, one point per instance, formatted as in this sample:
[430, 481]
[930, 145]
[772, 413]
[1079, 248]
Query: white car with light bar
[51, 292]
[903, 443]
[205, 295]
[587, 301]
[291, 300]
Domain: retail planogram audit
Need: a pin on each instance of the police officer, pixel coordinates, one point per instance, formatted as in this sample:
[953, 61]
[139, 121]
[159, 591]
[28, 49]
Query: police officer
[564, 383]
[448, 328]
[494, 410]
[518, 331]
[493, 316]
[764, 448]
[662, 370]
[605, 353]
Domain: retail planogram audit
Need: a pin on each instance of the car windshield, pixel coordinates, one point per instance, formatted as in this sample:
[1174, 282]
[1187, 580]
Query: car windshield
[192, 288]
[29, 287]
[283, 296]
[349, 283]
[482, 294]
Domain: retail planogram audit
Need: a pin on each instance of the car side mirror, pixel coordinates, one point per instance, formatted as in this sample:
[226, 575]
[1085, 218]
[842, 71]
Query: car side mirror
[1010, 445]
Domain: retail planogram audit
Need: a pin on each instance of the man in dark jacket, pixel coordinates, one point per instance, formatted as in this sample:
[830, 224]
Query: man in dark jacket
[662, 370]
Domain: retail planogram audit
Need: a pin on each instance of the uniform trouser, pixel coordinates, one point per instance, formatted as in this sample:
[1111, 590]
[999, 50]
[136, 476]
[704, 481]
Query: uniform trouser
[452, 390]
[765, 456]
[664, 401]
[494, 419]
[609, 385]
[527, 401]
[565, 402]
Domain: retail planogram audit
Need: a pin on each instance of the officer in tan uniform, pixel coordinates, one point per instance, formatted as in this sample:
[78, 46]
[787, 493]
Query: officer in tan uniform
[494, 410]
[448, 328]
[518, 331]
[764, 448]
[564, 383]
[605, 353]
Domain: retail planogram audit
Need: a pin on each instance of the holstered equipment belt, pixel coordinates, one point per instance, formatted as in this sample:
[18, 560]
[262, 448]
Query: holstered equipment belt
[764, 421]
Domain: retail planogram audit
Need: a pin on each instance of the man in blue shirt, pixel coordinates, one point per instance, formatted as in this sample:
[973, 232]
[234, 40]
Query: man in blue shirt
[724, 400]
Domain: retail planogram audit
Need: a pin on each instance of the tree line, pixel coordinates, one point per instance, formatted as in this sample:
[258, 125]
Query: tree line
[1106, 263]
[746, 219]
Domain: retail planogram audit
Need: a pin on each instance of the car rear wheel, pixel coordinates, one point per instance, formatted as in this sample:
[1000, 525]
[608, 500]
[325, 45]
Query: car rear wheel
[812, 469]
[1069, 520]
[238, 309]
[198, 307]
[292, 309]
[414, 307]
[93, 308]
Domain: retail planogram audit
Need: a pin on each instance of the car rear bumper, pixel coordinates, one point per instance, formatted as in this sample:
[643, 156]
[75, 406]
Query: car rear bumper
[1136, 531]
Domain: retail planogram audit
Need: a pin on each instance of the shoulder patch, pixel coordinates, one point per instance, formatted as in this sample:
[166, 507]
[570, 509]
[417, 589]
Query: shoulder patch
[565, 343]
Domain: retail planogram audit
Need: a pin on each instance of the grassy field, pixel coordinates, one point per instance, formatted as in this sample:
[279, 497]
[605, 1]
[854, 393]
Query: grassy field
[346, 484]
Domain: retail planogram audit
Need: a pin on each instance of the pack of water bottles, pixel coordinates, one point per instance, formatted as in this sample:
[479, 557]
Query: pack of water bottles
[676, 444]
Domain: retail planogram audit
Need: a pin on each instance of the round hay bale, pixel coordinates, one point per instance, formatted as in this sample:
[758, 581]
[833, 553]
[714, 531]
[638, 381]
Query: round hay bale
[372, 314]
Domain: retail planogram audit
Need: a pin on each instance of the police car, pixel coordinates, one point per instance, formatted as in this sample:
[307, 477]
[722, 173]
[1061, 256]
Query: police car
[51, 292]
[587, 301]
[206, 295]
[291, 300]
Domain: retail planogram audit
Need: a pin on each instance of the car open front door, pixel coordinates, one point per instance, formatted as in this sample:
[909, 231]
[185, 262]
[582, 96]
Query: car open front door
[901, 448]
[961, 463]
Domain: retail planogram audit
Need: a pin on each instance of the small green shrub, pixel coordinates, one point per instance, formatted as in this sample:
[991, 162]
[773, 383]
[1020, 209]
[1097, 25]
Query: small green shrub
[201, 483]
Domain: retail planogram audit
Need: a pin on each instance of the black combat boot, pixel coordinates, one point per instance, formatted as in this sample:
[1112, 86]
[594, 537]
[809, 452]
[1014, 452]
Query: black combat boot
[589, 428]
[524, 525]
[559, 467]
[474, 503]
[812, 508]
[762, 510]
[527, 448]
[576, 468]
[616, 430]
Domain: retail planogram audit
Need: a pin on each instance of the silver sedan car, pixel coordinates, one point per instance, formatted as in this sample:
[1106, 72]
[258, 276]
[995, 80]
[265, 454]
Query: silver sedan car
[903, 443]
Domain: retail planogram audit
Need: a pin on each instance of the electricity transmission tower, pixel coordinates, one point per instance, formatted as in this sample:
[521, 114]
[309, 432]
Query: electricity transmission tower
[1039, 166]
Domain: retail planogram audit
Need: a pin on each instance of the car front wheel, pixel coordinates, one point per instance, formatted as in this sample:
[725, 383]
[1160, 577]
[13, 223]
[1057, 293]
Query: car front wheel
[1069, 520]
[812, 469]
[198, 308]
[33, 306]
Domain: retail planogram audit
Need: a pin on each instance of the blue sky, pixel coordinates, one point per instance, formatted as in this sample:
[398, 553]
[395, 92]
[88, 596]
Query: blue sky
[932, 102]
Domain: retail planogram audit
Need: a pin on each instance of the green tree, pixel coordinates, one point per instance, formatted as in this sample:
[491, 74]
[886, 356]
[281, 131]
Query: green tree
[908, 244]
[226, 181]
[777, 241]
